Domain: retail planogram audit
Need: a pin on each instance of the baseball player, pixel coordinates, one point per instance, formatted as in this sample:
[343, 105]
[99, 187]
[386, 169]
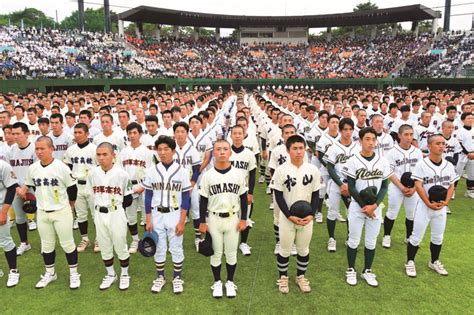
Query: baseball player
[293, 181]
[135, 159]
[109, 135]
[465, 135]
[8, 186]
[81, 159]
[365, 170]
[223, 192]
[21, 156]
[336, 157]
[61, 140]
[384, 140]
[402, 158]
[244, 159]
[56, 191]
[110, 186]
[430, 172]
[423, 130]
[167, 190]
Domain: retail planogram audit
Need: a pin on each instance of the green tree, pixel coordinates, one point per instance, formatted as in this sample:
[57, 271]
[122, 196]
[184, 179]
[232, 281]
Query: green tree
[93, 20]
[30, 16]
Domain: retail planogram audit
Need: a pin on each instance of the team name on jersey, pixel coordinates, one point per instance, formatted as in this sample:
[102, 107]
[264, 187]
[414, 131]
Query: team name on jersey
[173, 186]
[81, 160]
[425, 134]
[366, 174]
[53, 182]
[281, 159]
[151, 147]
[35, 132]
[291, 181]
[240, 164]
[21, 162]
[60, 147]
[224, 188]
[406, 161]
[449, 148]
[436, 179]
[133, 162]
[185, 161]
[383, 145]
[111, 190]
[201, 148]
[342, 158]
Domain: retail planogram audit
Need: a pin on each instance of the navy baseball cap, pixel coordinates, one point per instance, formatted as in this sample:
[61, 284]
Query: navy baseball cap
[147, 245]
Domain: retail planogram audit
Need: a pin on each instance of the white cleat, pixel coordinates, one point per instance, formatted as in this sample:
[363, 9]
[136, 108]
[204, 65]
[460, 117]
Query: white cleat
[230, 289]
[124, 282]
[268, 191]
[303, 284]
[107, 282]
[217, 292]
[319, 217]
[23, 248]
[271, 206]
[96, 247]
[75, 225]
[410, 269]
[83, 246]
[133, 247]
[74, 281]
[282, 284]
[13, 278]
[293, 250]
[178, 285]
[370, 278]
[46, 279]
[448, 210]
[142, 223]
[351, 276]
[438, 267]
[340, 218]
[261, 180]
[245, 249]
[276, 251]
[469, 194]
[196, 243]
[32, 225]
[453, 196]
[331, 245]
[158, 284]
[386, 241]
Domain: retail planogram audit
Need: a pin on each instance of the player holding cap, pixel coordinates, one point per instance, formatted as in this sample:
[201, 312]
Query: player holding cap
[56, 191]
[365, 170]
[110, 186]
[430, 174]
[167, 190]
[402, 158]
[223, 192]
[295, 180]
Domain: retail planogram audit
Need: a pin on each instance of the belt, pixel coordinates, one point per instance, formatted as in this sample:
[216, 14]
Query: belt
[82, 182]
[223, 214]
[134, 182]
[105, 209]
[165, 209]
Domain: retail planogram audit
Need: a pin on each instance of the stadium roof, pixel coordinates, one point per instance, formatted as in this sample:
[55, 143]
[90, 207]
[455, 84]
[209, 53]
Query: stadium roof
[145, 14]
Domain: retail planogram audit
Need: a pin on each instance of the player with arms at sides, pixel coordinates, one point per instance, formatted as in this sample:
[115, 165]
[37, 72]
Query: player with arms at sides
[336, 156]
[295, 180]
[402, 158]
[367, 176]
[56, 191]
[167, 195]
[110, 186]
[224, 198]
[434, 182]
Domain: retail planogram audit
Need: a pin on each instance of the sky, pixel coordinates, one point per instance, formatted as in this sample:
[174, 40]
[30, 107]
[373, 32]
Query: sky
[246, 7]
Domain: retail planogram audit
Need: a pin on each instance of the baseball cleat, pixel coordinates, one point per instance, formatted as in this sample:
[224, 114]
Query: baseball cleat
[438, 267]
[142, 223]
[158, 284]
[319, 217]
[13, 278]
[178, 285]
[245, 249]
[268, 191]
[370, 278]
[410, 269]
[32, 225]
[276, 251]
[282, 284]
[83, 246]
[230, 289]
[74, 281]
[386, 241]
[303, 284]
[294, 252]
[196, 243]
[469, 193]
[107, 282]
[351, 276]
[331, 245]
[75, 225]
[46, 279]
[23, 248]
[124, 282]
[96, 247]
[448, 211]
[271, 206]
[217, 290]
[453, 196]
[261, 180]
[340, 218]
[133, 247]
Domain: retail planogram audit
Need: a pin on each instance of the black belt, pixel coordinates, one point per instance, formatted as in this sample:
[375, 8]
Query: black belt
[165, 209]
[81, 182]
[134, 182]
[223, 214]
[104, 209]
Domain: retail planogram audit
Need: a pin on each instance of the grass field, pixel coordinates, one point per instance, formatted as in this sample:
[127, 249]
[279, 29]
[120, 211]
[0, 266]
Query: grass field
[256, 277]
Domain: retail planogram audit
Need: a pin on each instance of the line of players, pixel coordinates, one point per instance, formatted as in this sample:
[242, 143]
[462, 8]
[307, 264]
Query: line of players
[330, 140]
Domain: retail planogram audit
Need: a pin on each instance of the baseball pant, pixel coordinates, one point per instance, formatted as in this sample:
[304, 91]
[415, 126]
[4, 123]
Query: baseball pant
[461, 165]
[395, 201]
[425, 216]
[470, 170]
[165, 225]
[194, 206]
[334, 200]
[291, 233]
[84, 203]
[357, 220]
[6, 241]
[225, 238]
[111, 229]
[20, 215]
[138, 204]
[54, 223]
[324, 188]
